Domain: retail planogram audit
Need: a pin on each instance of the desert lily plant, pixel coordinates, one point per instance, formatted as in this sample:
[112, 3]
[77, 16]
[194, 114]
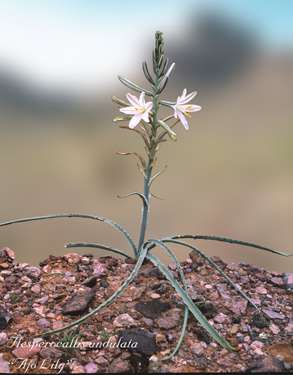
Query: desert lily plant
[141, 115]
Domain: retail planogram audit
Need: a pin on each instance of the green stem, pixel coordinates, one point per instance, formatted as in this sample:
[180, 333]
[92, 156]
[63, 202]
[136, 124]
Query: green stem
[149, 167]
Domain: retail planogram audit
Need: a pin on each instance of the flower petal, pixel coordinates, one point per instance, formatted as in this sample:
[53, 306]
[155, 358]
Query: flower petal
[148, 106]
[133, 100]
[135, 121]
[188, 97]
[129, 110]
[193, 108]
[145, 116]
[183, 120]
[175, 111]
[141, 99]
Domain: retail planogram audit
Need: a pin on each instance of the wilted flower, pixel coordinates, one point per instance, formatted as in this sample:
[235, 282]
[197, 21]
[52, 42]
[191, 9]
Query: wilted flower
[182, 109]
[139, 109]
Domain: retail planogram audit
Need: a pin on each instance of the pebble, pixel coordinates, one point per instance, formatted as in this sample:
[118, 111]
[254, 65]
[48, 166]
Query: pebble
[234, 329]
[273, 314]
[238, 306]
[261, 290]
[124, 320]
[102, 361]
[57, 324]
[33, 272]
[5, 318]
[170, 319]
[155, 296]
[90, 281]
[197, 349]
[289, 328]
[148, 322]
[144, 340]
[77, 368]
[51, 353]
[36, 288]
[160, 338]
[72, 258]
[277, 281]
[221, 318]
[10, 253]
[91, 368]
[288, 281]
[172, 266]
[3, 338]
[4, 366]
[26, 351]
[42, 300]
[274, 329]
[152, 309]
[79, 302]
[119, 366]
[85, 260]
[40, 310]
[43, 323]
[98, 268]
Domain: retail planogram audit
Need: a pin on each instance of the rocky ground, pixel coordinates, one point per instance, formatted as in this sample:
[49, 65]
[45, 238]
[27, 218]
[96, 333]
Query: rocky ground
[35, 299]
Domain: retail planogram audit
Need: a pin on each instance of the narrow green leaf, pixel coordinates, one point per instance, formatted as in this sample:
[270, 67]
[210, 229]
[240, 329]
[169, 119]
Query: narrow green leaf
[190, 304]
[78, 216]
[171, 133]
[71, 245]
[133, 86]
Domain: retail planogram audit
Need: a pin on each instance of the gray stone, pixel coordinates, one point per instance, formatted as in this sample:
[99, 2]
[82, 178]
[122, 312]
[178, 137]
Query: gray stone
[79, 302]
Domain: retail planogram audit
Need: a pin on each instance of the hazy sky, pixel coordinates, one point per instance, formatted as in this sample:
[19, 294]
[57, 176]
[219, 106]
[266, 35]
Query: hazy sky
[83, 44]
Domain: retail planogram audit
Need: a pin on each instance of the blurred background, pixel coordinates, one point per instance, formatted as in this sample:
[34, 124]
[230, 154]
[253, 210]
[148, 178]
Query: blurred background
[230, 175]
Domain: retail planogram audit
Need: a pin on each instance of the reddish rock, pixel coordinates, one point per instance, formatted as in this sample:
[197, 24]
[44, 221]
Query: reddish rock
[72, 258]
[170, 319]
[91, 368]
[9, 253]
[119, 366]
[278, 281]
[288, 281]
[26, 351]
[124, 320]
[275, 329]
[261, 290]
[4, 366]
[197, 348]
[273, 314]
[221, 318]
[289, 328]
[79, 302]
[98, 268]
[238, 306]
[3, 338]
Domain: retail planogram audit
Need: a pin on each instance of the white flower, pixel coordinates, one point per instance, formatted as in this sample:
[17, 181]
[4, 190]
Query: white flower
[139, 109]
[182, 109]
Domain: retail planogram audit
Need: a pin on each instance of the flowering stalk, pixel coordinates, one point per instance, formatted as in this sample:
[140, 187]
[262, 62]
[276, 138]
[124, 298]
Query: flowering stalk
[146, 115]
[150, 164]
[143, 118]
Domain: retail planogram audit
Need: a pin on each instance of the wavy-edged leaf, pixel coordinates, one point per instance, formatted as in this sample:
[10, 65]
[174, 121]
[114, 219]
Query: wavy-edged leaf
[214, 265]
[190, 304]
[78, 216]
[133, 86]
[186, 310]
[170, 132]
[71, 245]
[231, 241]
